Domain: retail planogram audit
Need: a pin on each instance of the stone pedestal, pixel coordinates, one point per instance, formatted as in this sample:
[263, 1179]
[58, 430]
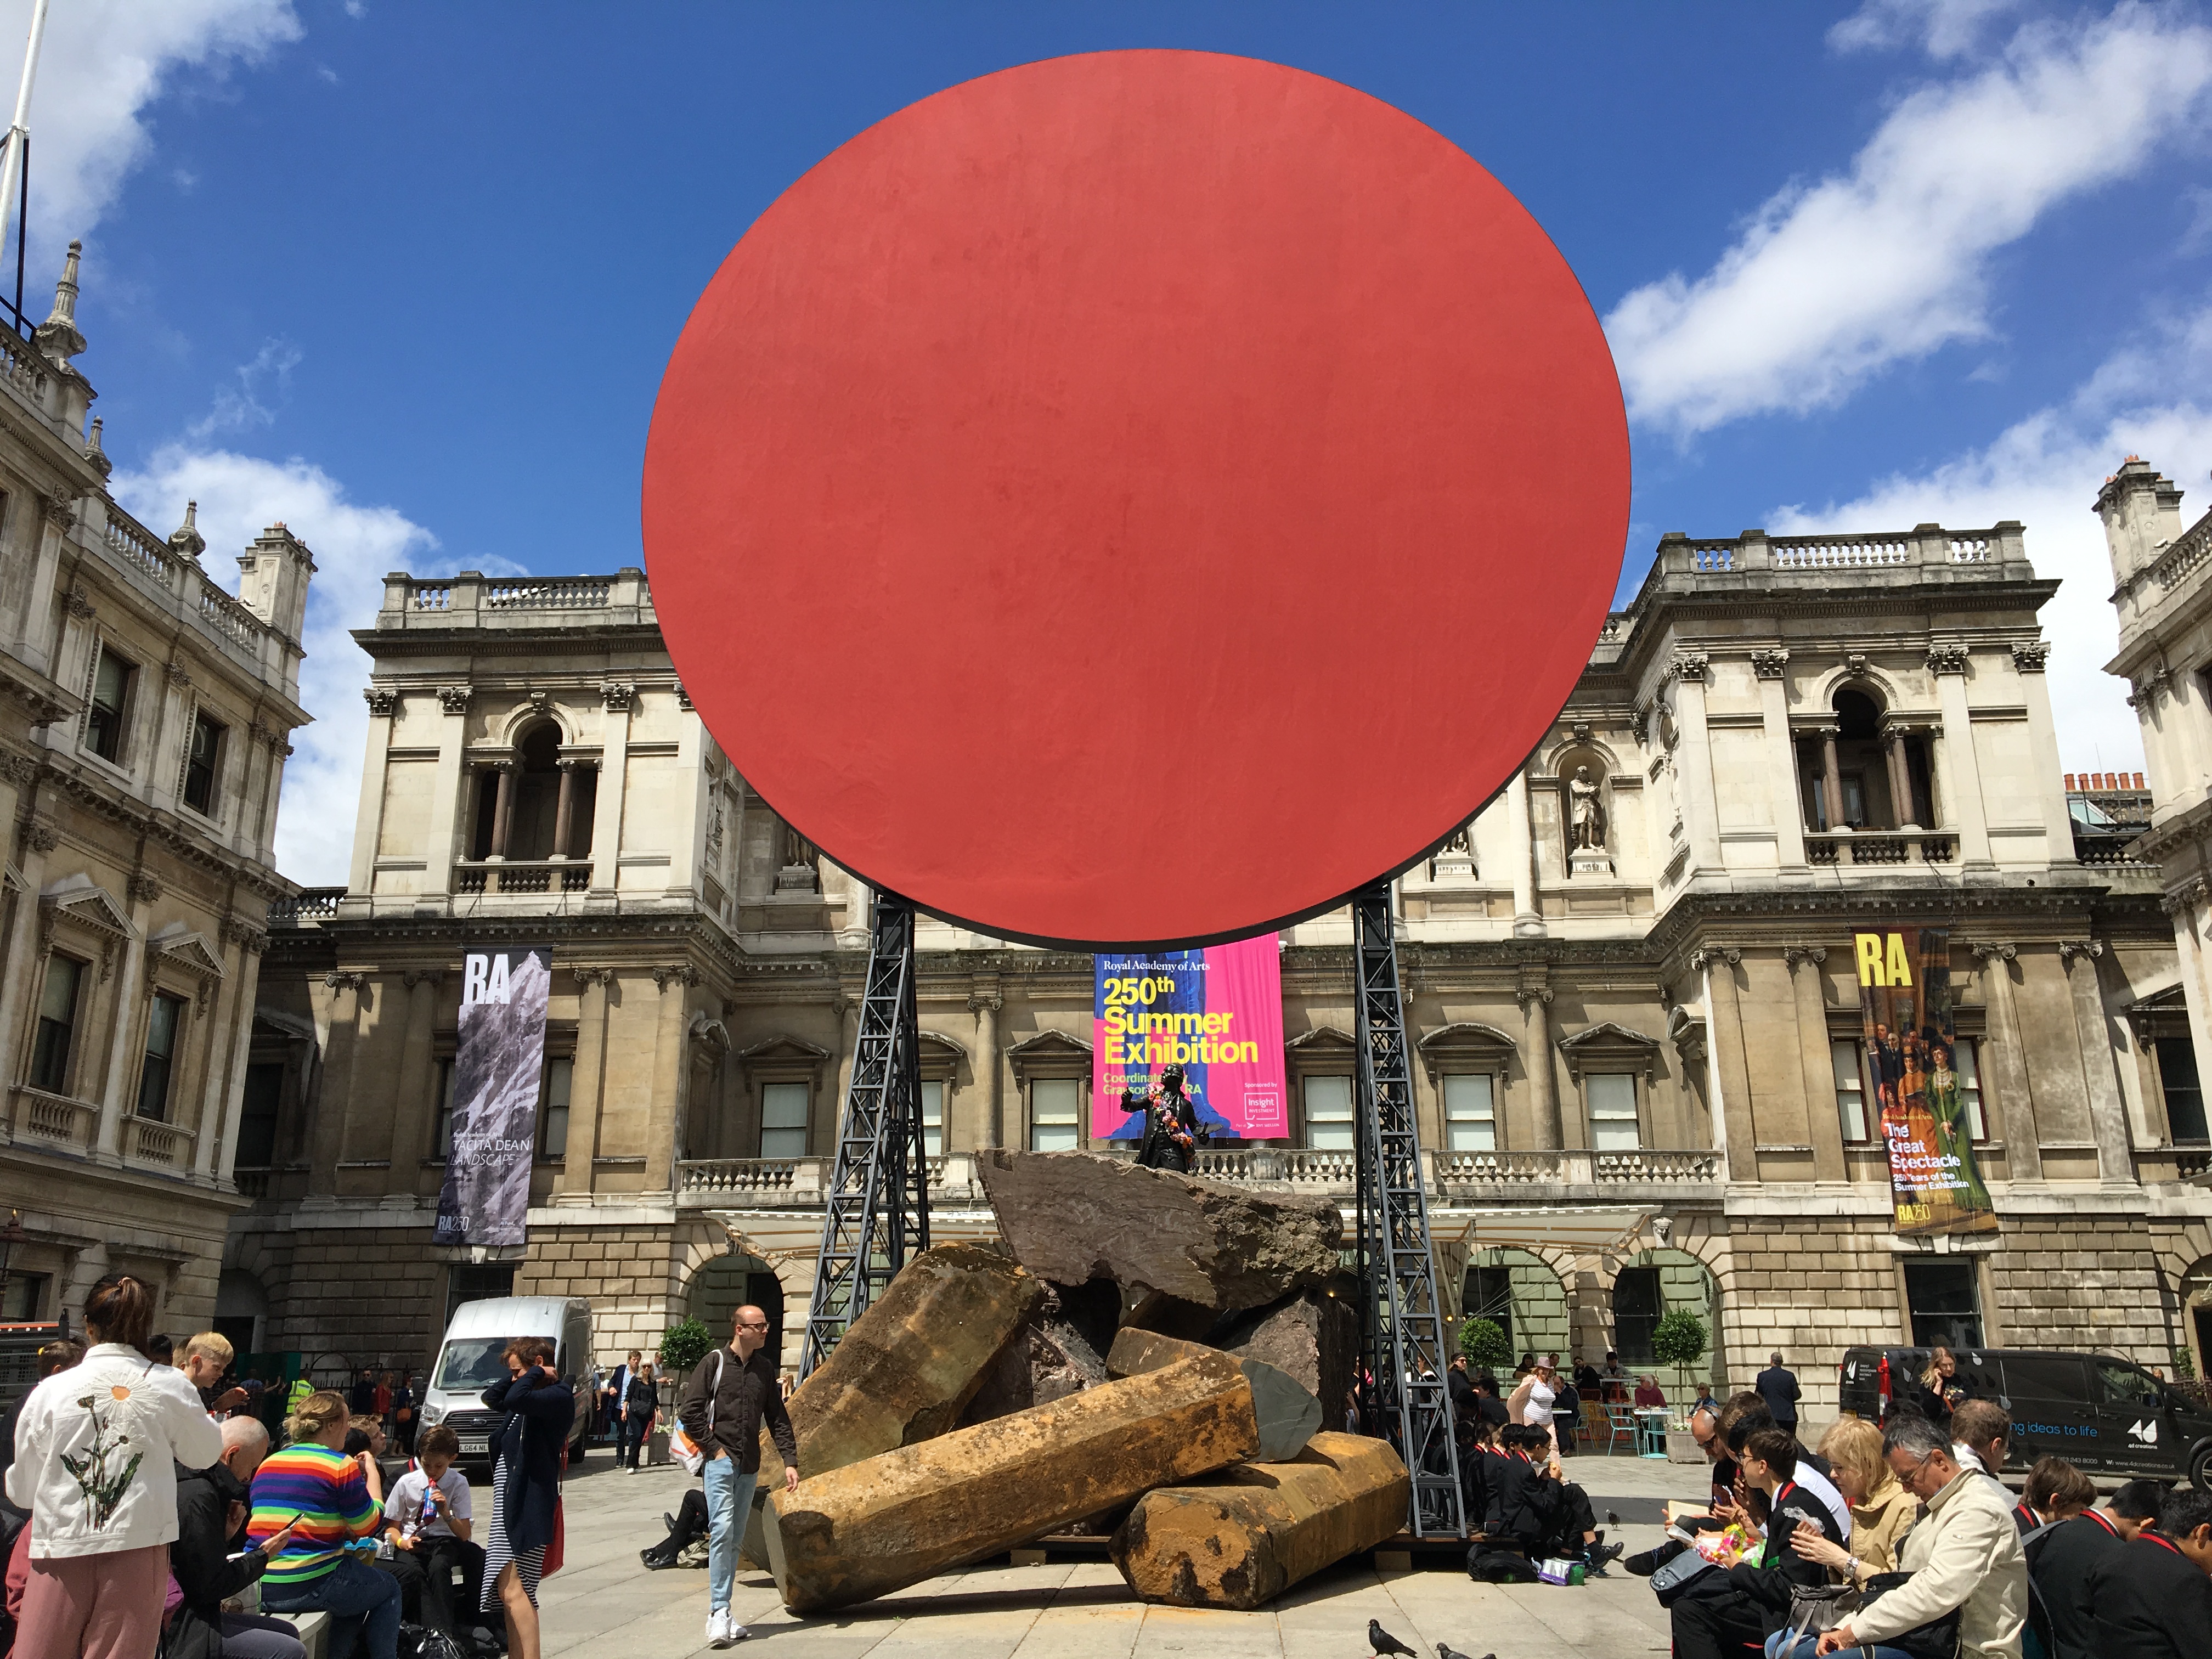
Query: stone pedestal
[1588, 861]
[1263, 1527]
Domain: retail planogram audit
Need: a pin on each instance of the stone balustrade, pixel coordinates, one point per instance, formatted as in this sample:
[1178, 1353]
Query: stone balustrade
[522, 876]
[1842, 555]
[1853, 847]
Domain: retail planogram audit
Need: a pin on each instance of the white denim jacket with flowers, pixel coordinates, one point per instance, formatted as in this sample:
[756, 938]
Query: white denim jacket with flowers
[96, 1453]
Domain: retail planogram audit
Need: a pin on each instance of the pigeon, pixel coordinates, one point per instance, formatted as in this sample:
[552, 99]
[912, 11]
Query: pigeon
[1383, 1642]
[1612, 1519]
[1444, 1652]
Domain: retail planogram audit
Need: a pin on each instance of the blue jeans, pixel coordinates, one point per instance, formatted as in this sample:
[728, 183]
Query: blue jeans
[361, 1601]
[729, 1506]
[1804, 1649]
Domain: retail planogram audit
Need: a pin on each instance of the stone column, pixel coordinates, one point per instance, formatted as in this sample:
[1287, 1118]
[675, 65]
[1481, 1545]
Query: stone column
[2108, 1112]
[1526, 919]
[617, 696]
[1700, 808]
[412, 1107]
[586, 1083]
[2004, 1065]
[1803, 962]
[669, 1076]
[564, 810]
[985, 1002]
[368, 818]
[1961, 777]
[233, 1007]
[2043, 751]
[503, 812]
[1832, 782]
[1724, 1031]
[128, 1014]
[1770, 666]
[1900, 781]
[19, 968]
[346, 996]
[456, 783]
[241, 1052]
[1536, 1055]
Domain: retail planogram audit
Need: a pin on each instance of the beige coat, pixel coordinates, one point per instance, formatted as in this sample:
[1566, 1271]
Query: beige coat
[1964, 1549]
[1877, 1526]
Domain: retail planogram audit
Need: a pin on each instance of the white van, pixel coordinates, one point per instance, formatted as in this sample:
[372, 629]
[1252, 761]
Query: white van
[469, 1361]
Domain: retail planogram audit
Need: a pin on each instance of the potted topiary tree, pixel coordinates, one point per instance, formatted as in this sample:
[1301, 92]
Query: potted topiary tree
[1483, 1341]
[1679, 1341]
[683, 1347]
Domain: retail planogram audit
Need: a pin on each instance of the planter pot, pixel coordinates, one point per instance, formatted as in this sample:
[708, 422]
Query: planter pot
[656, 1448]
[1682, 1447]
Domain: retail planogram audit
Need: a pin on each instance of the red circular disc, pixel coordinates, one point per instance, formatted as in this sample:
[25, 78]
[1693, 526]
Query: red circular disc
[1136, 498]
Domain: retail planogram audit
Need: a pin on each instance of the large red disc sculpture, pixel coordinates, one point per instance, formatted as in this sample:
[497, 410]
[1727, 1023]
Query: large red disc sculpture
[1136, 498]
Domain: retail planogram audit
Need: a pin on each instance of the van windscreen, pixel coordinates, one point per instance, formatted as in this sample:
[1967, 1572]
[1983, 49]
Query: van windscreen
[471, 1362]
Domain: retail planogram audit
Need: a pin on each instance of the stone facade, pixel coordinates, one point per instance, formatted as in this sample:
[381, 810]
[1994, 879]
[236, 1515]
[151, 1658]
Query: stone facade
[1630, 1081]
[145, 723]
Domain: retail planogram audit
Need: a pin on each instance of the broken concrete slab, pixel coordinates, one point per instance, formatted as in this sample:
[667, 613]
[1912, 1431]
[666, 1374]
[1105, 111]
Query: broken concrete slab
[874, 1526]
[1311, 1336]
[1288, 1415]
[1241, 1541]
[1071, 1216]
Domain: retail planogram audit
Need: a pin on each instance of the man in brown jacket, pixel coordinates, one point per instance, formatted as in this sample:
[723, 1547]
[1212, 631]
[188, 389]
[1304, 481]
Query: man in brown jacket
[727, 1397]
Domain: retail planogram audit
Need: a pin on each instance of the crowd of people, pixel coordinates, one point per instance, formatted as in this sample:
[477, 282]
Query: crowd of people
[150, 1509]
[1902, 1542]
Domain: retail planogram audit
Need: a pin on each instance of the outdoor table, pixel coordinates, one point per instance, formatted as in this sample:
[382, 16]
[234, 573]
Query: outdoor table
[1651, 1430]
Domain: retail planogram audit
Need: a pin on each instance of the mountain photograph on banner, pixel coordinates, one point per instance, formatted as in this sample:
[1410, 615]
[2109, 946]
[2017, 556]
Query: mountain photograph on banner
[1935, 1184]
[499, 1059]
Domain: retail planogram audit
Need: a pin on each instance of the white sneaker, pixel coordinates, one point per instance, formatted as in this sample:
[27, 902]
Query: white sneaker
[723, 1631]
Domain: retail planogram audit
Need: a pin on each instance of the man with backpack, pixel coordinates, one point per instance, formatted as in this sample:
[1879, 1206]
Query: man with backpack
[726, 1398]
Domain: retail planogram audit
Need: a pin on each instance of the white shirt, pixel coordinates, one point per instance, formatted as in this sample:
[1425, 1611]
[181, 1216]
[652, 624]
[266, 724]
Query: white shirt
[405, 1508]
[1821, 1487]
[125, 1423]
[1537, 1412]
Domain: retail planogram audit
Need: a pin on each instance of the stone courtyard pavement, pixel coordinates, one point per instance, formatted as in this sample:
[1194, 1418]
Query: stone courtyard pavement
[604, 1603]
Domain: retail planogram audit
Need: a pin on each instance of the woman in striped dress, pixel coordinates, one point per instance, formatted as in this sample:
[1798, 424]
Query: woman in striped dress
[526, 1483]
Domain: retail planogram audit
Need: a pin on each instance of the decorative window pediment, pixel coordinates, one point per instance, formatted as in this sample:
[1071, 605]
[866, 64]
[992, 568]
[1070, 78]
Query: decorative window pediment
[940, 1056]
[1466, 1046]
[179, 946]
[1050, 1052]
[1610, 1048]
[783, 1056]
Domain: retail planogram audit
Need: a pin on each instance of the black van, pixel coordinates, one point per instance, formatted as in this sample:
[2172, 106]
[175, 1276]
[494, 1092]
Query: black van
[2104, 1416]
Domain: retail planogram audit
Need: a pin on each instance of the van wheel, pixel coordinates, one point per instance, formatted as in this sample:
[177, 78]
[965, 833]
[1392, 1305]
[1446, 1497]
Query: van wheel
[2200, 1469]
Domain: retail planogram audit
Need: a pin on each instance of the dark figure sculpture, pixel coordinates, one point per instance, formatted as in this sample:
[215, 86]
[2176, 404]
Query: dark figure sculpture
[1172, 1131]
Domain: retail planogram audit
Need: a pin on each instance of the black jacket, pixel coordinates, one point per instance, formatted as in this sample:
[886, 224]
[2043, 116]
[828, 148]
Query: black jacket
[1778, 1389]
[745, 1398]
[2059, 1565]
[2153, 1602]
[1779, 1569]
[200, 1560]
[1523, 1501]
[1157, 1151]
[643, 1398]
[529, 1443]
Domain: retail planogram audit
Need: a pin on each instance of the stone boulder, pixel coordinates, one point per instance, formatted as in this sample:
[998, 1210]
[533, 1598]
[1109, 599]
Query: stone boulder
[1312, 1336]
[1287, 1415]
[1244, 1538]
[1071, 1217]
[1050, 1361]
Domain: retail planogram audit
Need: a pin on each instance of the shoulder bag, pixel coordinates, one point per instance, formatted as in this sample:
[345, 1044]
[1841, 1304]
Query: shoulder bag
[681, 1446]
[1936, 1639]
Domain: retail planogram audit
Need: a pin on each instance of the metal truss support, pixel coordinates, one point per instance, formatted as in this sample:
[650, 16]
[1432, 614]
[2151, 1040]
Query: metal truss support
[879, 1191]
[1403, 1387]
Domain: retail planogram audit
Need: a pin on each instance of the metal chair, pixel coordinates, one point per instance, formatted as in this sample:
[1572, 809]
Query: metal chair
[1620, 1424]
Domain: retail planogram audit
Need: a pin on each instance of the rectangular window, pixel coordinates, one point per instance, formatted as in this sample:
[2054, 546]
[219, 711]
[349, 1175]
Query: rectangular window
[553, 1109]
[25, 1296]
[1488, 1294]
[1328, 1114]
[1850, 1092]
[1612, 1112]
[50, 1051]
[1943, 1303]
[256, 1115]
[1470, 1117]
[1967, 1064]
[441, 1129]
[783, 1119]
[111, 696]
[933, 1119]
[2184, 1096]
[200, 763]
[465, 1283]
[1638, 1303]
[163, 1020]
[1055, 1103]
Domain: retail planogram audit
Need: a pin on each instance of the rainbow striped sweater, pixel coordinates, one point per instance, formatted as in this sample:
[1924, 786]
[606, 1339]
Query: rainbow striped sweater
[329, 1493]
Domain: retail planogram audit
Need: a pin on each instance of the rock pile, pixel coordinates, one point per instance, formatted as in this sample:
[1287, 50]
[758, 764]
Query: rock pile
[1155, 1339]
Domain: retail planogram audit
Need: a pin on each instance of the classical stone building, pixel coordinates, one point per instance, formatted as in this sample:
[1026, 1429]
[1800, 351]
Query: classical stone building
[143, 737]
[1629, 979]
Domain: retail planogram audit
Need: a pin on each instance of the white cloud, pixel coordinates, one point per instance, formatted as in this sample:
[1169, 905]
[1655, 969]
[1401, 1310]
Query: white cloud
[2044, 470]
[1832, 281]
[103, 64]
[237, 407]
[1946, 28]
[354, 545]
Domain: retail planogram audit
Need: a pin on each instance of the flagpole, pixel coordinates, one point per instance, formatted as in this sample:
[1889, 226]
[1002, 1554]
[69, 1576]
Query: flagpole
[19, 134]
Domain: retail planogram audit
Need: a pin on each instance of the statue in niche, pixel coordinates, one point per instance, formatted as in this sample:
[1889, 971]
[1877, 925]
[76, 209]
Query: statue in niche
[1461, 844]
[1586, 817]
[801, 871]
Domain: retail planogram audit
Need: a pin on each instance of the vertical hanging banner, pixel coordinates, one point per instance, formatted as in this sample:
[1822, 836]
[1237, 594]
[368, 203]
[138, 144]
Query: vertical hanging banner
[498, 1060]
[1216, 1013]
[1905, 1005]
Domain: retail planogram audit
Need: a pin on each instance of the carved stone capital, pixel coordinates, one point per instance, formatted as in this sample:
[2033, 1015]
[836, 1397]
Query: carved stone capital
[454, 699]
[344, 981]
[144, 887]
[433, 977]
[1689, 665]
[1527, 993]
[2070, 948]
[18, 769]
[1996, 949]
[617, 696]
[77, 605]
[683, 696]
[1946, 659]
[42, 838]
[1707, 955]
[978, 1001]
[587, 977]
[383, 702]
[1770, 664]
[681, 975]
[2029, 657]
[59, 508]
[1794, 954]
[179, 673]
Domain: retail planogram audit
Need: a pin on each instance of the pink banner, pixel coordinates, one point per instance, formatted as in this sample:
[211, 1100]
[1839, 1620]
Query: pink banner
[1218, 1013]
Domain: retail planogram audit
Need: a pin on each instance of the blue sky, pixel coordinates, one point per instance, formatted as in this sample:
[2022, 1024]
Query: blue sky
[405, 275]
